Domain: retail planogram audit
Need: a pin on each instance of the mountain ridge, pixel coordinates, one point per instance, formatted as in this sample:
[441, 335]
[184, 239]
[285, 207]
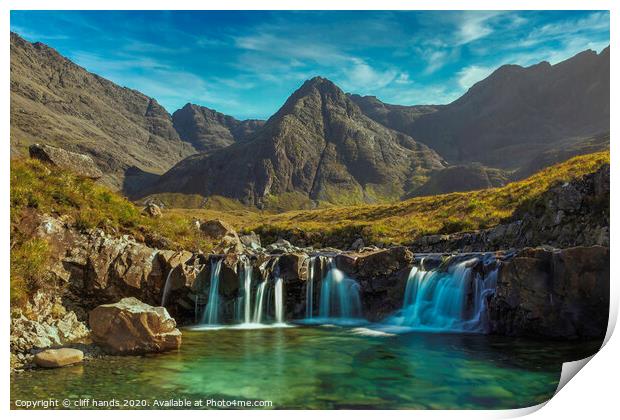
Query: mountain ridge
[53, 100]
[318, 144]
[322, 145]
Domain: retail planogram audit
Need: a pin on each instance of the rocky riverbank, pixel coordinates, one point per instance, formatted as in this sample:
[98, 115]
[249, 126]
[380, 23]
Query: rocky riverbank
[559, 290]
[541, 292]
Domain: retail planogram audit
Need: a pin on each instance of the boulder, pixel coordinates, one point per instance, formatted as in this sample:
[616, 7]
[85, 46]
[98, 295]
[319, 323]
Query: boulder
[358, 244]
[217, 229]
[251, 240]
[77, 163]
[54, 358]
[152, 210]
[133, 327]
[383, 262]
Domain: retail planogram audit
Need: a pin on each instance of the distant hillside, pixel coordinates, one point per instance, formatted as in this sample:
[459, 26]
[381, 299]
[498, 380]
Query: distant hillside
[516, 112]
[461, 178]
[209, 130]
[54, 101]
[514, 115]
[318, 147]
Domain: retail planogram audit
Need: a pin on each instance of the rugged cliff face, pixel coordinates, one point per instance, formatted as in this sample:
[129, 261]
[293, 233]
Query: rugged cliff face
[318, 146]
[56, 102]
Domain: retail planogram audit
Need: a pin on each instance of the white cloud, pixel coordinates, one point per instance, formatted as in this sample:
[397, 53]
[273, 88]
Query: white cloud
[470, 75]
[474, 25]
[360, 75]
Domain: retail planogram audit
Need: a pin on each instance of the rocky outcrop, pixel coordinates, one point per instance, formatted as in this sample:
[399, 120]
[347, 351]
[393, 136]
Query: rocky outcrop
[54, 358]
[568, 214]
[44, 322]
[553, 293]
[133, 327]
[79, 164]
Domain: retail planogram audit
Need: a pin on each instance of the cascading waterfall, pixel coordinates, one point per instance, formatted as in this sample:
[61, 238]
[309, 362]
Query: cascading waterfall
[258, 303]
[310, 288]
[279, 304]
[437, 300]
[340, 295]
[245, 304]
[212, 311]
[167, 287]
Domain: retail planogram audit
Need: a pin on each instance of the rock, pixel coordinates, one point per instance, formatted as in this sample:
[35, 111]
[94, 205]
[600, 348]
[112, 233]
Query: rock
[382, 262]
[291, 266]
[217, 229]
[152, 210]
[553, 293]
[133, 327]
[77, 163]
[571, 214]
[251, 240]
[281, 245]
[54, 358]
[358, 244]
[44, 322]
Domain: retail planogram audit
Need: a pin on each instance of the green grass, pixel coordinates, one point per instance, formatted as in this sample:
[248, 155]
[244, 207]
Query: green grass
[405, 221]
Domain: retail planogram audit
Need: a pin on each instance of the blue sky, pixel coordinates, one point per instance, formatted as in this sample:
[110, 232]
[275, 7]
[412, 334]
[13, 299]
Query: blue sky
[247, 63]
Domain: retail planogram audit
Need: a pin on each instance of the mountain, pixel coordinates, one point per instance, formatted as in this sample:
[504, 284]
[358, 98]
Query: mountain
[57, 102]
[462, 178]
[396, 117]
[209, 130]
[318, 147]
[512, 116]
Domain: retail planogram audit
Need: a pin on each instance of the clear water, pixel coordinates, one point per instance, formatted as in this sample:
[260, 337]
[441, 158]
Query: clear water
[323, 368]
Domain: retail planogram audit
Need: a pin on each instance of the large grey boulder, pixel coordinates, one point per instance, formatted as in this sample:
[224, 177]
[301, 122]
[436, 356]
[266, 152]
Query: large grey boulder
[77, 163]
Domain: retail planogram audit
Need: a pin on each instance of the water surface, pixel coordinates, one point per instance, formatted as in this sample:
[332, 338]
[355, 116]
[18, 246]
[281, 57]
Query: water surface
[310, 367]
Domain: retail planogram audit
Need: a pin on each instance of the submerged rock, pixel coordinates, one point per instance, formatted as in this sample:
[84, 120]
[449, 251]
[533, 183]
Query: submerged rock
[133, 327]
[78, 163]
[54, 358]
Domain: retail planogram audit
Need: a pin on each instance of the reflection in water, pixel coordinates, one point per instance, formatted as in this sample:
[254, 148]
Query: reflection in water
[327, 367]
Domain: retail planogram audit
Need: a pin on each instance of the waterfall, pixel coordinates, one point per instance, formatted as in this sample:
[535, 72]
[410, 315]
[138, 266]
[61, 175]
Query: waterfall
[167, 287]
[278, 300]
[340, 295]
[310, 288]
[438, 300]
[212, 311]
[245, 275]
[258, 303]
